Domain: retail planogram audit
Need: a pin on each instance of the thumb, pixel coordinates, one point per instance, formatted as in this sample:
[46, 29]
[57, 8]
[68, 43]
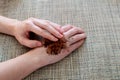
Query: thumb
[30, 43]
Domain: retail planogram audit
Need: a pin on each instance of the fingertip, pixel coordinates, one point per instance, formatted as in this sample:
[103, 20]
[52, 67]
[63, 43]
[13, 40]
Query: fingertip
[53, 39]
[38, 44]
[35, 44]
[61, 35]
[61, 31]
[85, 35]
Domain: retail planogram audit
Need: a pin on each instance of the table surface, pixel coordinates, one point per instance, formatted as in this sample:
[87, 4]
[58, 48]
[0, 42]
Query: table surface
[97, 59]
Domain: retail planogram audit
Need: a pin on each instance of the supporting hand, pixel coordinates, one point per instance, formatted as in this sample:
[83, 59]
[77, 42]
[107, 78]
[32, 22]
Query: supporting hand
[42, 28]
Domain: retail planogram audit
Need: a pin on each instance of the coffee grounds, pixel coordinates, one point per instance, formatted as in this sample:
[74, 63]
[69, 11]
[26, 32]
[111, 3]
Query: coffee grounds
[54, 48]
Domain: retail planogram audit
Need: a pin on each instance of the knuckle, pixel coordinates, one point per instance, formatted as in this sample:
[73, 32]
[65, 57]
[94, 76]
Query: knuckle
[66, 37]
[27, 23]
[46, 25]
[31, 18]
[47, 21]
[76, 29]
[41, 31]
[67, 50]
[69, 25]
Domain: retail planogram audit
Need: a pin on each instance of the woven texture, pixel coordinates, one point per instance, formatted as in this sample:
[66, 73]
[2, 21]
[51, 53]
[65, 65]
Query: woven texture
[97, 59]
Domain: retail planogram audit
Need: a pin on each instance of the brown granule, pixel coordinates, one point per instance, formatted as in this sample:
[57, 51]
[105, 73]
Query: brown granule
[54, 48]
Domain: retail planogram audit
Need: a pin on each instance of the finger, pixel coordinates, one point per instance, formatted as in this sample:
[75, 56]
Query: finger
[66, 28]
[53, 31]
[76, 38]
[73, 31]
[67, 51]
[73, 47]
[76, 45]
[42, 33]
[30, 43]
[45, 25]
[56, 26]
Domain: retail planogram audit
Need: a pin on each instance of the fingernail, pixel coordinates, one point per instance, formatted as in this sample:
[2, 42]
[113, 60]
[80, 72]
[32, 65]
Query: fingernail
[55, 39]
[60, 35]
[38, 44]
[62, 31]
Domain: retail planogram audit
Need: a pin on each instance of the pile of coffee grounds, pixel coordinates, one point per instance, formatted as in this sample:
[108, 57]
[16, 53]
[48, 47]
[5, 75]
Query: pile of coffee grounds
[54, 48]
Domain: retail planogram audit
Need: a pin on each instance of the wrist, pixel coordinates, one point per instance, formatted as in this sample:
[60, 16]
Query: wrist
[13, 24]
[21, 66]
[37, 58]
[7, 25]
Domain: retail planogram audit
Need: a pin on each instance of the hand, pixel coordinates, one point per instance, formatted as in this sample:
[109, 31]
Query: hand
[43, 28]
[75, 37]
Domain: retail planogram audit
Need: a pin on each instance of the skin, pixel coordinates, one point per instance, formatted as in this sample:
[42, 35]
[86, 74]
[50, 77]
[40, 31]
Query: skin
[21, 66]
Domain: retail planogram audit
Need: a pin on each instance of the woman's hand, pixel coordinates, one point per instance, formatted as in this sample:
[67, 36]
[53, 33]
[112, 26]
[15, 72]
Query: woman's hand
[25, 64]
[75, 37]
[43, 28]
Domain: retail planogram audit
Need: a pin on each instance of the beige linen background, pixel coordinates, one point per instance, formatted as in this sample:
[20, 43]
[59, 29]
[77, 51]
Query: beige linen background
[97, 59]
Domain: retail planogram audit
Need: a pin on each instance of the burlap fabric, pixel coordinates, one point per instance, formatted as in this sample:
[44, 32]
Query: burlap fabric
[97, 59]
